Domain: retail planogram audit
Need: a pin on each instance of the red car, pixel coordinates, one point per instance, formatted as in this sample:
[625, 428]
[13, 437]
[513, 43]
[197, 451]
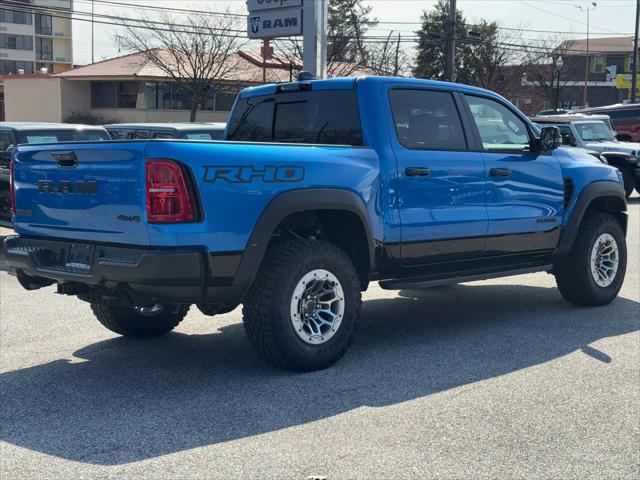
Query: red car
[625, 119]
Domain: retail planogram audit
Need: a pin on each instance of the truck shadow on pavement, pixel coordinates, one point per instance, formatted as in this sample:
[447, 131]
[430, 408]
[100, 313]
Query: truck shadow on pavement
[124, 401]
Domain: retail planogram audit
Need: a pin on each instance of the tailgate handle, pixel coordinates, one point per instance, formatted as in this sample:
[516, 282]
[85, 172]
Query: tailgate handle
[65, 159]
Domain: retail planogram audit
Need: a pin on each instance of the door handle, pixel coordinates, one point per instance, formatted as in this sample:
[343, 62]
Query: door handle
[500, 172]
[417, 172]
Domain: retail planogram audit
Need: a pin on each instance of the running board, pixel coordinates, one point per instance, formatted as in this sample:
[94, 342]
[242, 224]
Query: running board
[436, 280]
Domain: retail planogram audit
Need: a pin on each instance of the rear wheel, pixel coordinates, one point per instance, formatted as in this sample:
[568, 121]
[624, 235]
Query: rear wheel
[593, 272]
[141, 322]
[302, 310]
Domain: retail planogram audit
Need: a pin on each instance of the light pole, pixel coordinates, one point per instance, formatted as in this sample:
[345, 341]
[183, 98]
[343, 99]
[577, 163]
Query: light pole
[559, 65]
[586, 69]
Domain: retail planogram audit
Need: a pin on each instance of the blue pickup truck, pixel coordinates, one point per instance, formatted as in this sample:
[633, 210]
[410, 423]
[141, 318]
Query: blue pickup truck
[320, 188]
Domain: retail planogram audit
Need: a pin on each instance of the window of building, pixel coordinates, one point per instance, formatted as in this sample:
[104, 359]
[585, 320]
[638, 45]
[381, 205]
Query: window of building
[114, 94]
[598, 64]
[12, 16]
[225, 100]
[16, 42]
[44, 49]
[11, 67]
[427, 120]
[127, 94]
[500, 129]
[43, 25]
[527, 100]
[104, 94]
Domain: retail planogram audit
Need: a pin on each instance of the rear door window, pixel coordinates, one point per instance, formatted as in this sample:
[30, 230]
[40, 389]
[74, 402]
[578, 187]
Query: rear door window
[427, 120]
[5, 141]
[163, 135]
[137, 134]
[328, 117]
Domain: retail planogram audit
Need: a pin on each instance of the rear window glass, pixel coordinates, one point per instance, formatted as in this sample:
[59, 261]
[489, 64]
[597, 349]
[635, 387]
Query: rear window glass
[56, 136]
[212, 135]
[328, 117]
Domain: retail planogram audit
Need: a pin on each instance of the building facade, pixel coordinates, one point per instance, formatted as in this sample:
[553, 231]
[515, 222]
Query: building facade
[132, 89]
[35, 35]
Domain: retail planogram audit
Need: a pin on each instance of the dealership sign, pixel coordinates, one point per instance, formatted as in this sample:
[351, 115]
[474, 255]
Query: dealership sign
[285, 22]
[274, 18]
[260, 5]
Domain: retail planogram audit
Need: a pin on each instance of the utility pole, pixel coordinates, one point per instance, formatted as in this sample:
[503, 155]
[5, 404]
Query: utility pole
[634, 67]
[315, 18]
[588, 61]
[450, 50]
[92, 12]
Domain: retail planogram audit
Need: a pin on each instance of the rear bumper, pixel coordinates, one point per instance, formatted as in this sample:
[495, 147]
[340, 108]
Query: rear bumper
[185, 275]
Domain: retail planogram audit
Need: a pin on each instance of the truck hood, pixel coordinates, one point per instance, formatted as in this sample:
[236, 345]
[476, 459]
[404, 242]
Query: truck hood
[575, 154]
[626, 148]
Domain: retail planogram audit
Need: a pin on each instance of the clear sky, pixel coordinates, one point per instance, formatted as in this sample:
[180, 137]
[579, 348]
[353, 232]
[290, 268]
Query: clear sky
[610, 18]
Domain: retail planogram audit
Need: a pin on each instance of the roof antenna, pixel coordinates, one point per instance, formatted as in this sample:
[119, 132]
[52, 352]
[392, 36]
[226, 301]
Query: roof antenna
[306, 76]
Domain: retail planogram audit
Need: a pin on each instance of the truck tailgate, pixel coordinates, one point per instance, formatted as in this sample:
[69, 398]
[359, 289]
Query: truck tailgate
[83, 191]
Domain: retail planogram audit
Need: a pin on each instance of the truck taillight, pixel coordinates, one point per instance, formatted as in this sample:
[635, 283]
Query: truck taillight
[12, 188]
[170, 198]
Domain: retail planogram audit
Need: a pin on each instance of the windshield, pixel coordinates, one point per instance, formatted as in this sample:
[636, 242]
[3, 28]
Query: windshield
[56, 136]
[594, 131]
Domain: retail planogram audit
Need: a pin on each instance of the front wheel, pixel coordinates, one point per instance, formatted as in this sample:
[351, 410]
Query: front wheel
[302, 310]
[593, 272]
[141, 322]
[628, 180]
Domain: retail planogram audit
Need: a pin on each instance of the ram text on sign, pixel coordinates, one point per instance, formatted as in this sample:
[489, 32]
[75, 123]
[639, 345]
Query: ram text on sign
[258, 5]
[277, 23]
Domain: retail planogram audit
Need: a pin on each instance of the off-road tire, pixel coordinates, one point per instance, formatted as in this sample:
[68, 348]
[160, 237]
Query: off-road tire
[573, 272]
[129, 323]
[267, 314]
[628, 181]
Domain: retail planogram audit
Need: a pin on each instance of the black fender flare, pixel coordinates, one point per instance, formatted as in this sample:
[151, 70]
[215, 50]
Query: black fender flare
[590, 193]
[290, 202]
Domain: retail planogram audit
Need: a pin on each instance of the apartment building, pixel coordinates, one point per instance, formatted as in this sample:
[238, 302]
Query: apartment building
[34, 35]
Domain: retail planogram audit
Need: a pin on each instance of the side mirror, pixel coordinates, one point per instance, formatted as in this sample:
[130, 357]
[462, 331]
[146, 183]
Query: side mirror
[550, 139]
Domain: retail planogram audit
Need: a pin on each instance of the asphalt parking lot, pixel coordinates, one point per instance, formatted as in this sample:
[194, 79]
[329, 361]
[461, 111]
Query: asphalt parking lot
[499, 379]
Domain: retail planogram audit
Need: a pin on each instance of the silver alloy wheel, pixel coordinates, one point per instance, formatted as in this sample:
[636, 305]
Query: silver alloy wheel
[317, 307]
[604, 260]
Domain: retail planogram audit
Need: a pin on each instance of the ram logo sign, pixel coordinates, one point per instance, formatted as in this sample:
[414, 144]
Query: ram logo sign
[281, 22]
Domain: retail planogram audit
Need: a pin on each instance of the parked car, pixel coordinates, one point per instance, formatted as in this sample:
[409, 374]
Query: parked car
[625, 118]
[15, 133]
[322, 187]
[187, 131]
[553, 111]
[595, 134]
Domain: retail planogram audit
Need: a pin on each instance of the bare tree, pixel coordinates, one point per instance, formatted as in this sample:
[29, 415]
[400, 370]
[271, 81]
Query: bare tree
[347, 52]
[545, 77]
[388, 57]
[196, 52]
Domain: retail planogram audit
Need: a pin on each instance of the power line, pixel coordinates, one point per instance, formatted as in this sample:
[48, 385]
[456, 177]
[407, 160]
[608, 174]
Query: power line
[194, 29]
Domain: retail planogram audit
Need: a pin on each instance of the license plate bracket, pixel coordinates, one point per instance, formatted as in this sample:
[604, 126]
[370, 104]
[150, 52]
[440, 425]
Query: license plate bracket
[80, 257]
